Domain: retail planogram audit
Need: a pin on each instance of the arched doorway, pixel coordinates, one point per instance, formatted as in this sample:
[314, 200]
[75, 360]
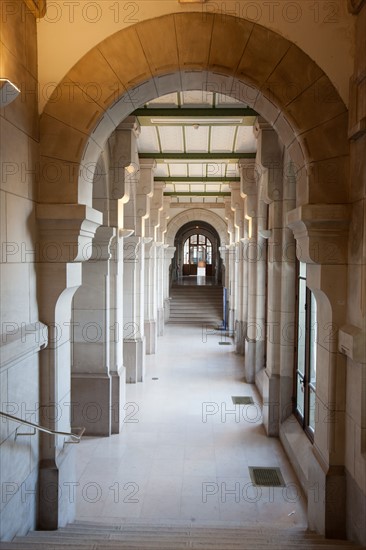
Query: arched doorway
[197, 251]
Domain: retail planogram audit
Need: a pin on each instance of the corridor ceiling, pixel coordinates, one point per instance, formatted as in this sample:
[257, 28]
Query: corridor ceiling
[197, 139]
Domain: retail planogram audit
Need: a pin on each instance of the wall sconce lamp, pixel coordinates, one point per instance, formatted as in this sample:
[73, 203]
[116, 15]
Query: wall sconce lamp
[131, 168]
[8, 92]
[125, 233]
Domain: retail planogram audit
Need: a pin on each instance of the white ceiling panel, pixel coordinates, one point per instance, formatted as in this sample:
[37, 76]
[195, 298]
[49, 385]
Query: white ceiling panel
[216, 169]
[182, 187]
[169, 188]
[171, 139]
[213, 188]
[162, 170]
[197, 97]
[196, 139]
[197, 199]
[184, 199]
[225, 188]
[148, 140]
[197, 170]
[197, 187]
[222, 138]
[178, 170]
[245, 140]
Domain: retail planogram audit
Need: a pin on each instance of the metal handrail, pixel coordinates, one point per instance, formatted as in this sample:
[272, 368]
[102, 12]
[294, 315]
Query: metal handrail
[76, 437]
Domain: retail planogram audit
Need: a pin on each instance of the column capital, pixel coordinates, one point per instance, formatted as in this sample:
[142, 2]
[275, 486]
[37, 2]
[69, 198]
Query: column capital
[102, 243]
[66, 232]
[169, 252]
[130, 124]
[148, 164]
[321, 232]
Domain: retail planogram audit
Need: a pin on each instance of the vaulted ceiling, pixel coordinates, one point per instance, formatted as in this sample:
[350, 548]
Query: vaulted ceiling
[197, 138]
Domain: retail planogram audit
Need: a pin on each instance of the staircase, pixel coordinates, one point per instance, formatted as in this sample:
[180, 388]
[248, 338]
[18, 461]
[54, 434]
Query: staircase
[164, 536]
[196, 304]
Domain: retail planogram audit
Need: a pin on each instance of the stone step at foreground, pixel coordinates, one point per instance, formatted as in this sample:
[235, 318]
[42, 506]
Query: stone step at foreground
[150, 536]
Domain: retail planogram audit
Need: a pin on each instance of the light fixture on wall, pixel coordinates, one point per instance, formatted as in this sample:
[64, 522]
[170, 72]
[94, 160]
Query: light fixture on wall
[125, 233]
[250, 226]
[8, 92]
[131, 168]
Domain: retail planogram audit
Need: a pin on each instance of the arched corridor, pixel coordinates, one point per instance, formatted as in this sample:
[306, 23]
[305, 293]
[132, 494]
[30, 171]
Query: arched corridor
[182, 140]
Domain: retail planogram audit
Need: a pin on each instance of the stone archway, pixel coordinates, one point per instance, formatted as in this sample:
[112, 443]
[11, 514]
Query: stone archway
[199, 214]
[183, 52]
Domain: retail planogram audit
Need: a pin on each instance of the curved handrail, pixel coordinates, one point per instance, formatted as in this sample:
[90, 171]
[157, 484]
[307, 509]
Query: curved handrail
[76, 437]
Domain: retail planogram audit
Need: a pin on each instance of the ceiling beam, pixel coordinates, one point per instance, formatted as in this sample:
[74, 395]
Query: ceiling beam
[195, 194]
[197, 156]
[208, 205]
[195, 112]
[195, 179]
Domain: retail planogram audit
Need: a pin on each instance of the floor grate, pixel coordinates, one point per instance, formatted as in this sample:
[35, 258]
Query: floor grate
[242, 399]
[224, 343]
[266, 477]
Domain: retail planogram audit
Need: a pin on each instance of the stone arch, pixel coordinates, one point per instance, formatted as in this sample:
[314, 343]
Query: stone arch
[196, 214]
[188, 51]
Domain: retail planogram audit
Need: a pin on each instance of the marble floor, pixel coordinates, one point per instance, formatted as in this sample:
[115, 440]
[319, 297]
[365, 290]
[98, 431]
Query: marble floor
[185, 449]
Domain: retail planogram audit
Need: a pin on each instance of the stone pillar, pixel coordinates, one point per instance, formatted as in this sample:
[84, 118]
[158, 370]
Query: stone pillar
[159, 294]
[65, 237]
[249, 189]
[149, 215]
[117, 368]
[270, 181]
[168, 256]
[122, 167]
[91, 381]
[151, 333]
[152, 269]
[133, 309]
[321, 232]
[237, 206]
[163, 277]
[224, 254]
[229, 216]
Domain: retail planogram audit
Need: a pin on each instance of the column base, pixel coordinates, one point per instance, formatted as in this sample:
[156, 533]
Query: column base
[231, 319]
[356, 511]
[56, 502]
[160, 321]
[91, 403]
[327, 499]
[239, 337]
[134, 360]
[151, 336]
[166, 310]
[118, 379]
[271, 412]
[249, 365]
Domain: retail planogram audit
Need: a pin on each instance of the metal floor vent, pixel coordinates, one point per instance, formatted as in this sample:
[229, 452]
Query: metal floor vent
[224, 343]
[266, 477]
[242, 399]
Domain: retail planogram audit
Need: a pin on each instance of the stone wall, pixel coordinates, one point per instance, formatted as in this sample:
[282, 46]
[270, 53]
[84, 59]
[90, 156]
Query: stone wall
[353, 335]
[21, 333]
